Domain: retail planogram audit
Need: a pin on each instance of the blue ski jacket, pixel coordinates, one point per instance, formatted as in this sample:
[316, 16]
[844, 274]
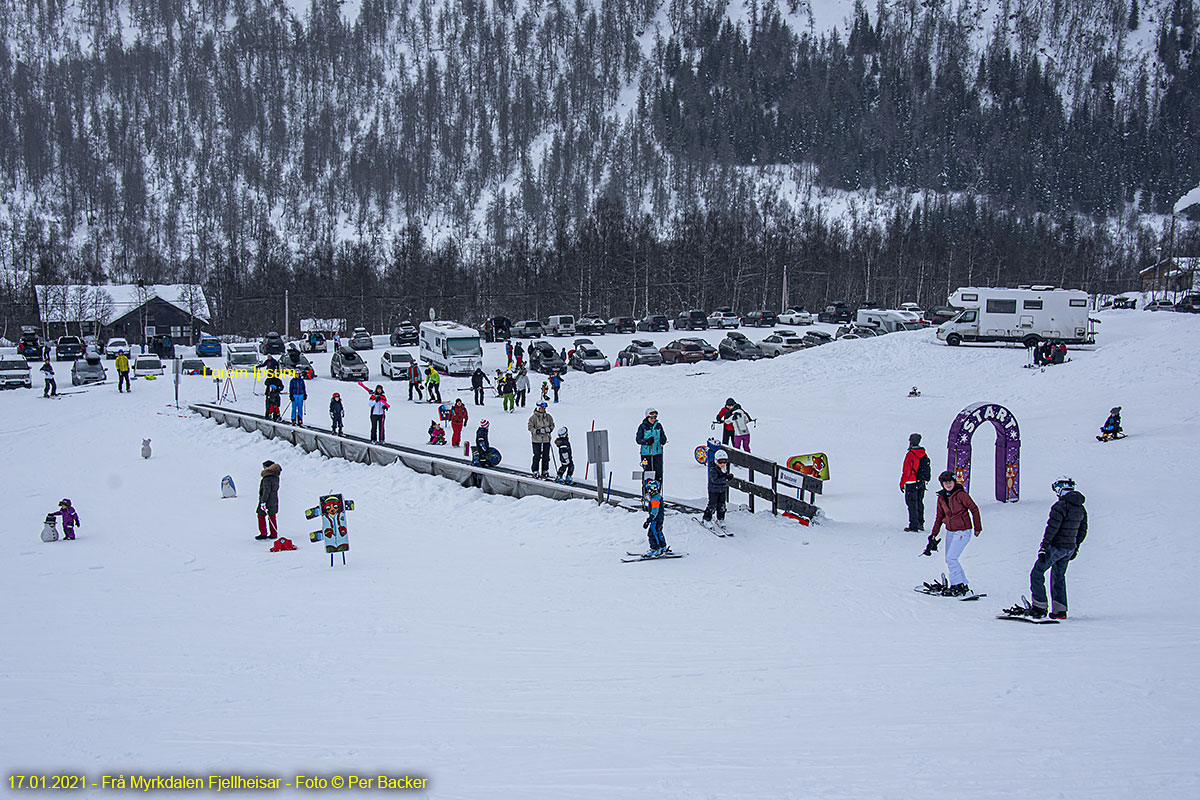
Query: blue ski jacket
[651, 437]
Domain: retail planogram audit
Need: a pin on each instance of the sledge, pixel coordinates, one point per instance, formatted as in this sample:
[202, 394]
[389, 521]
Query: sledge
[1108, 437]
[814, 464]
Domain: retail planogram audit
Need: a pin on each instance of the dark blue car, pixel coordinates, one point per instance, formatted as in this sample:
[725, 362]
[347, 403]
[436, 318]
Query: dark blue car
[208, 346]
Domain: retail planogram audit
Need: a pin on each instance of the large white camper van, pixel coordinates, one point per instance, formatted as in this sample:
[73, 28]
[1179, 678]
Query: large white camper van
[454, 349]
[1027, 315]
[888, 320]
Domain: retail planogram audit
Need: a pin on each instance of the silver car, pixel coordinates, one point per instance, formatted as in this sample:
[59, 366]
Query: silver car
[88, 370]
[14, 373]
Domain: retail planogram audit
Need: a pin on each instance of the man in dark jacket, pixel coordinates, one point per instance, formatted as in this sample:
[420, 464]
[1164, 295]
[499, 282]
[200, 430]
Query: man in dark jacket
[912, 482]
[1065, 531]
[268, 500]
[478, 379]
[718, 486]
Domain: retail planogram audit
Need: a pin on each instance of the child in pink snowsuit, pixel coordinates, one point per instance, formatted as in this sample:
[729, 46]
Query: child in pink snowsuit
[69, 517]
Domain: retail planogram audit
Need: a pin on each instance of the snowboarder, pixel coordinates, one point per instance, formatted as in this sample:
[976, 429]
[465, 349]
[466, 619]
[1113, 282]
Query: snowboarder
[478, 379]
[268, 500]
[414, 381]
[336, 413]
[540, 425]
[913, 478]
[957, 511]
[458, 418]
[122, 365]
[724, 419]
[297, 392]
[1112, 425]
[556, 382]
[1065, 531]
[47, 371]
[482, 445]
[69, 517]
[741, 429]
[652, 437]
[433, 384]
[437, 434]
[508, 389]
[274, 393]
[652, 490]
[379, 406]
[566, 463]
[522, 387]
[718, 487]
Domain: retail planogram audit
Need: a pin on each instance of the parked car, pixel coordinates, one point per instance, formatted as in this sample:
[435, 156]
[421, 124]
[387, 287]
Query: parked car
[622, 325]
[241, 356]
[588, 358]
[724, 318]
[208, 346]
[796, 315]
[817, 338]
[30, 345]
[394, 364]
[1124, 302]
[736, 346]
[114, 346]
[911, 307]
[640, 351]
[88, 370]
[528, 329]
[1190, 303]
[148, 364]
[194, 366]
[14, 373]
[679, 352]
[560, 325]
[544, 358]
[710, 352]
[939, 314]
[347, 365]
[361, 339]
[693, 320]
[836, 312]
[777, 345]
[591, 324]
[654, 322]
[68, 348]
[761, 319]
[1161, 304]
[272, 344]
[294, 359]
[406, 334]
[581, 341]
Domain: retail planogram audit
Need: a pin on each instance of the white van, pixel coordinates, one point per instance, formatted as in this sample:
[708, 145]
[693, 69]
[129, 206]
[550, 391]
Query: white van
[561, 325]
[1025, 315]
[454, 349]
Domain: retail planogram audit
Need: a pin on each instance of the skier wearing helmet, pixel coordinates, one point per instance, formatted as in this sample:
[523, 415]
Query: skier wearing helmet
[718, 488]
[652, 489]
[566, 463]
[652, 437]
[336, 413]
[541, 426]
[1065, 531]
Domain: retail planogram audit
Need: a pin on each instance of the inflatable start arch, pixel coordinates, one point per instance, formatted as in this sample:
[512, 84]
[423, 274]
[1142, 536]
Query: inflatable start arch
[1008, 448]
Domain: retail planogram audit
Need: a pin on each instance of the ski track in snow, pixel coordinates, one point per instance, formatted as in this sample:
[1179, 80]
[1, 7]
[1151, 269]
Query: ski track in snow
[498, 647]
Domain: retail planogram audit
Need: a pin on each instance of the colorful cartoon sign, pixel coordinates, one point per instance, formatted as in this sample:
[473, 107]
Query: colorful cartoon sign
[333, 533]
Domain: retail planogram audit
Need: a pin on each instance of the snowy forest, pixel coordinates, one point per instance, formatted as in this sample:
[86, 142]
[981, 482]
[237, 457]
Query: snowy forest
[529, 157]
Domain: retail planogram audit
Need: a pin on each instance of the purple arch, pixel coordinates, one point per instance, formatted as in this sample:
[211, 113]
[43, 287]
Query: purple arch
[1008, 448]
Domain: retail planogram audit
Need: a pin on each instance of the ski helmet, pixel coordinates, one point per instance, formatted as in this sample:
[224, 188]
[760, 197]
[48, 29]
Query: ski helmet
[720, 455]
[484, 423]
[1062, 485]
[947, 476]
[542, 406]
[651, 412]
[562, 431]
[730, 403]
[337, 396]
[652, 486]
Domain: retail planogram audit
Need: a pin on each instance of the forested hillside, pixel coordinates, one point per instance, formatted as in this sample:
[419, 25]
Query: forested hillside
[530, 156]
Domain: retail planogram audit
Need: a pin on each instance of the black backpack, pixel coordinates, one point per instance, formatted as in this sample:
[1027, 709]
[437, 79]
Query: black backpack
[924, 473]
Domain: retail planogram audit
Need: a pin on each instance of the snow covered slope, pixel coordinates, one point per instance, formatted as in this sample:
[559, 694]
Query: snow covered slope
[498, 647]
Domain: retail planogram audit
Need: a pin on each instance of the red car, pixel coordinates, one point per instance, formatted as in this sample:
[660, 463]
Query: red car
[686, 352]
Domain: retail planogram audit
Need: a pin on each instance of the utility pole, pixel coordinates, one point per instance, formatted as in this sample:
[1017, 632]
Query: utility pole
[285, 314]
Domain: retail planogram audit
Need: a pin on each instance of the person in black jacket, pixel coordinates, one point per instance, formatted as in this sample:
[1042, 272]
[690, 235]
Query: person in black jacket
[268, 500]
[1065, 531]
[566, 461]
[478, 379]
[718, 486]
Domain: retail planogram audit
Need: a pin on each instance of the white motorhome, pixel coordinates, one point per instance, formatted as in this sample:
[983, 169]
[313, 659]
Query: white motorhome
[1026, 315]
[888, 320]
[454, 349]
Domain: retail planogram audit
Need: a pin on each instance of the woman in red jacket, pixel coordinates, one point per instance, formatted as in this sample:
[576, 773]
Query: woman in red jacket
[458, 418]
[957, 511]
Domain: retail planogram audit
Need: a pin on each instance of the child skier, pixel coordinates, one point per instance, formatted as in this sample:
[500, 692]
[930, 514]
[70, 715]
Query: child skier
[913, 477]
[437, 435]
[297, 392]
[69, 517]
[336, 412]
[545, 392]
[556, 382]
[652, 490]
[433, 384]
[718, 485]
[1112, 425]
[379, 405]
[956, 510]
[740, 421]
[482, 445]
[47, 371]
[566, 463]
[1065, 531]
[508, 389]
[274, 387]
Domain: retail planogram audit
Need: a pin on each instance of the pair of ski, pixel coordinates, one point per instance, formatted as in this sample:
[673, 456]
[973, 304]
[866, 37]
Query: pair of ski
[938, 589]
[714, 528]
[647, 557]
